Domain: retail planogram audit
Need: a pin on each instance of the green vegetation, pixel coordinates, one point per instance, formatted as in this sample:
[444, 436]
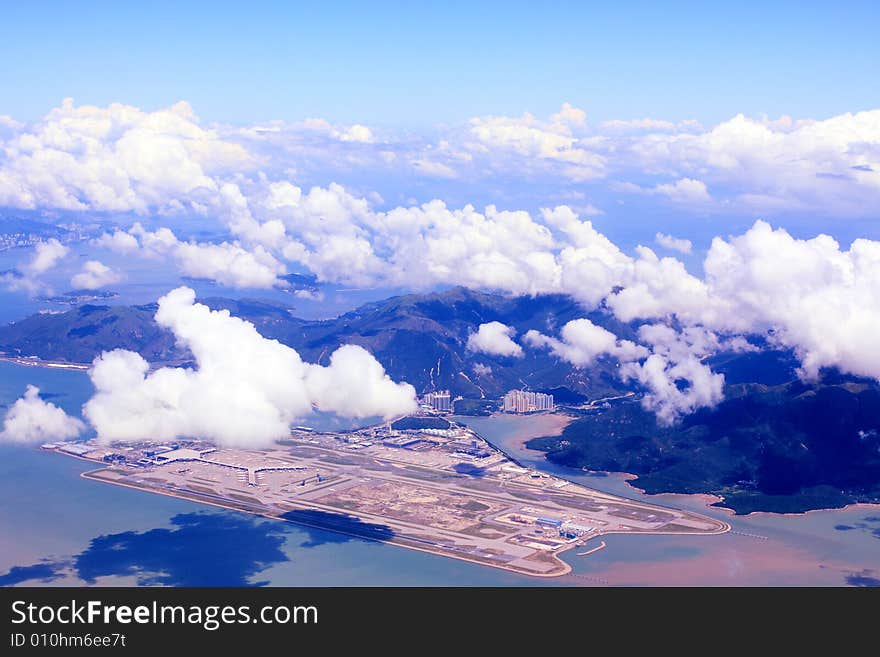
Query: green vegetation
[786, 448]
[412, 423]
[474, 407]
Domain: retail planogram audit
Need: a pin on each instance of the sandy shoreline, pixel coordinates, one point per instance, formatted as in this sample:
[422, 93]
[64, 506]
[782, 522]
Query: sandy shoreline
[553, 425]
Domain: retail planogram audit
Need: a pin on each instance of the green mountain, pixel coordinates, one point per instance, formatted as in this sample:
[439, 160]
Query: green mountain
[420, 339]
[784, 448]
[774, 444]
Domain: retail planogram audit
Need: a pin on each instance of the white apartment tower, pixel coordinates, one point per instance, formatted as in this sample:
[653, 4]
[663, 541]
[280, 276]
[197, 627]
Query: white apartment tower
[521, 401]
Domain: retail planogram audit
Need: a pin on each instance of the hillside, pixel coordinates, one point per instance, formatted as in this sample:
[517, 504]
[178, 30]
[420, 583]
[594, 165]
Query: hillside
[785, 448]
[774, 443]
[420, 339]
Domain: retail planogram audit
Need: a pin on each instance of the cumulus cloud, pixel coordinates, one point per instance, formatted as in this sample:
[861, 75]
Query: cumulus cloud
[32, 420]
[353, 133]
[119, 241]
[813, 295]
[94, 275]
[117, 158]
[676, 380]
[496, 339]
[47, 254]
[581, 342]
[227, 263]
[247, 395]
[675, 387]
[554, 140]
[669, 368]
[674, 243]
[123, 159]
[808, 294]
[685, 190]
[825, 165]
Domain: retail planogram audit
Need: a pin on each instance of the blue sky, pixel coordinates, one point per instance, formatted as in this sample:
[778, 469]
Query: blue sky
[390, 64]
[675, 163]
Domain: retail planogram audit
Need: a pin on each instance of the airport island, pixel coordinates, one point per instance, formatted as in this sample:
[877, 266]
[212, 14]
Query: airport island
[421, 482]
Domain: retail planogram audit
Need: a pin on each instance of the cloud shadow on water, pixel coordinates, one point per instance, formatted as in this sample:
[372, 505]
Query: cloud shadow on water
[863, 578]
[44, 572]
[199, 549]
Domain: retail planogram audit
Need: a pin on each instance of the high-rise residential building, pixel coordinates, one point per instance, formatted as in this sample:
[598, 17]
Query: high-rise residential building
[522, 401]
[440, 400]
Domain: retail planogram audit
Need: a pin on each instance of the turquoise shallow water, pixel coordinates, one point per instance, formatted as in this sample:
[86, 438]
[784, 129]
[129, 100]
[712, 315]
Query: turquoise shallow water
[58, 528]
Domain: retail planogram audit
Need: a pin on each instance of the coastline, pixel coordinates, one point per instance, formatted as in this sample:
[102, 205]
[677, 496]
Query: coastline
[711, 500]
[565, 567]
[708, 500]
[33, 361]
[556, 420]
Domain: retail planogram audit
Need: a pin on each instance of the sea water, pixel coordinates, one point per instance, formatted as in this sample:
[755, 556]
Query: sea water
[827, 547]
[58, 528]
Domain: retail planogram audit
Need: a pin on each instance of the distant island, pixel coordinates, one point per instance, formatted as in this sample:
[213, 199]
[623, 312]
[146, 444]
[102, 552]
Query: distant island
[78, 297]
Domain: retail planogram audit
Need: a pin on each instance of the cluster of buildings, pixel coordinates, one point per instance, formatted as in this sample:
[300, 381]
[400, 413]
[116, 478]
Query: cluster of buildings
[522, 401]
[440, 401]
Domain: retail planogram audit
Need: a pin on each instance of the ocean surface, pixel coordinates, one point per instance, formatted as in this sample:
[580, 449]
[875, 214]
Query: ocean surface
[58, 528]
[819, 548]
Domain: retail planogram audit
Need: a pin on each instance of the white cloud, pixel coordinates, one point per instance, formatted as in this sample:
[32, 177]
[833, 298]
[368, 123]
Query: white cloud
[674, 243]
[434, 169]
[117, 158]
[812, 295]
[827, 166]
[553, 141]
[481, 369]
[228, 263]
[358, 133]
[676, 380]
[94, 275]
[246, 396]
[47, 254]
[494, 338]
[118, 241]
[32, 420]
[809, 294]
[675, 388]
[685, 190]
[121, 158]
[637, 125]
[582, 342]
[354, 133]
